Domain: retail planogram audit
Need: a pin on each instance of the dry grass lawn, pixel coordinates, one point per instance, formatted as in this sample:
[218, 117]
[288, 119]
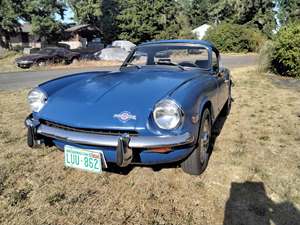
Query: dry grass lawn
[253, 177]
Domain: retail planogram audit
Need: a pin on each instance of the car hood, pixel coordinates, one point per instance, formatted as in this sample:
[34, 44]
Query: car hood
[98, 101]
[30, 57]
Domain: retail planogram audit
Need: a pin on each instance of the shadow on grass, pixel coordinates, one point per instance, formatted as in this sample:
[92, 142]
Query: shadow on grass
[249, 204]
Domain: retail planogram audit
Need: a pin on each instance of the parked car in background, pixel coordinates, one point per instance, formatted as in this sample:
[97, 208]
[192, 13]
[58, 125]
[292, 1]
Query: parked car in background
[95, 43]
[48, 56]
[117, 51]
[126, 45]
[112, 54]
[159, 108]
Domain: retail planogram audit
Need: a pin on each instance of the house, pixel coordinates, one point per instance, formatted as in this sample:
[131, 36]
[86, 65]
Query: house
[79, 36]
[25, 38]
[201, 31]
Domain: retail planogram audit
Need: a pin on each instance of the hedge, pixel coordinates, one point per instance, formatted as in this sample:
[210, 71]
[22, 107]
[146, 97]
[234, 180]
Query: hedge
[285, 57]
[235, 38]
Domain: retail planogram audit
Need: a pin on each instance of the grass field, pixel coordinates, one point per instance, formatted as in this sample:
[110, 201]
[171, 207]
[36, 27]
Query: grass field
[253, 177]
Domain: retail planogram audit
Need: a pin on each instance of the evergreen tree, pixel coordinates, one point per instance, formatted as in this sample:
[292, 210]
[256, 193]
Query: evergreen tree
[99, 13]
[157, 19]
[41, 14]
[289, 10]
[257, 13]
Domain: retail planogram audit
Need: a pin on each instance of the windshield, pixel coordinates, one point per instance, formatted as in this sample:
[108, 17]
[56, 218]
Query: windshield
[46, 51]
[172, 54]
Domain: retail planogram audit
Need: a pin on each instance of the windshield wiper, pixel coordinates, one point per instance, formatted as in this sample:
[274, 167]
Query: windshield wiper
[170, 64]
[131, 64]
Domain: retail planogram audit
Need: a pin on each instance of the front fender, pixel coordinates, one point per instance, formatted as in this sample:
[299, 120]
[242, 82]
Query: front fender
[193, 97]
[206, 102]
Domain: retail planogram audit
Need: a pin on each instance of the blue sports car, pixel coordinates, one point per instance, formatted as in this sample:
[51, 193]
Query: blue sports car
[159, 107]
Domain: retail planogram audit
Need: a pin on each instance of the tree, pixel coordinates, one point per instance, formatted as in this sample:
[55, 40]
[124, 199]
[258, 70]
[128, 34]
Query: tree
[9, 13]
[87, 11]
[200, 12]
[41, 15]
[136, 20]
[101, 14]
[109, 23]
[289, 10]
[256, 13]
[146, 20]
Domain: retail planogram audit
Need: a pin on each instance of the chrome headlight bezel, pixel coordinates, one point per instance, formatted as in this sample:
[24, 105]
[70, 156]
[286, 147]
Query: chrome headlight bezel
[172, 109]
[37, 99]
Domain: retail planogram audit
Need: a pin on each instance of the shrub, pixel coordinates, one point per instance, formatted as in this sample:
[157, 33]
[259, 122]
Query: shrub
[235, 38]
[286, 54]
[265, 54]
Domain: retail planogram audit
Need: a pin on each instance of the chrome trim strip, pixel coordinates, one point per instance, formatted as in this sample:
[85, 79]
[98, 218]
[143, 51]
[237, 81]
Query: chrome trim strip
[160, 141]
[112, 141]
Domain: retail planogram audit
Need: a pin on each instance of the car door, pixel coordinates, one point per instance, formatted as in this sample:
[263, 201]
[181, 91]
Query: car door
[220, 78]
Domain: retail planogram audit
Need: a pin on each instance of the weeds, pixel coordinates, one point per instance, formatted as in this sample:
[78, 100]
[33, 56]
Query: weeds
[56, 198]
[18, 196]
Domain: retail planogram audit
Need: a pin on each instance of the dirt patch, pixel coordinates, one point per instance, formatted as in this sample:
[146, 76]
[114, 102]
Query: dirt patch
[252, 177]
[285, 82]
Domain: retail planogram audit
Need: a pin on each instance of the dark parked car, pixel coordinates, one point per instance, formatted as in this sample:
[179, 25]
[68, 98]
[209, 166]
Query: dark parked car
[48, 55]
[159, 108]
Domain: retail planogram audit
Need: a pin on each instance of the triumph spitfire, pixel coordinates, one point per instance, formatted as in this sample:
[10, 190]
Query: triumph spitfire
[159, 107]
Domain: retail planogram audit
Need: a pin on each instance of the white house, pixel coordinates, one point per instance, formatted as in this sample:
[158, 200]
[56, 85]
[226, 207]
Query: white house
[201, 31]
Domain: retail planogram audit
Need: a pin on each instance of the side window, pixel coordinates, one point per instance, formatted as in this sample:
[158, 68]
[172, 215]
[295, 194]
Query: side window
[139, 58]
[214, 62]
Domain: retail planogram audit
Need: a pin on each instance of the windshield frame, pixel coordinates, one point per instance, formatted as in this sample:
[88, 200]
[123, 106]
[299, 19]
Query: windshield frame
[209, 52]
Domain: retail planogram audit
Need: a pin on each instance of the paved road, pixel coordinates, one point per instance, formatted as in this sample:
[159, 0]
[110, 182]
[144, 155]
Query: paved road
[20, 80]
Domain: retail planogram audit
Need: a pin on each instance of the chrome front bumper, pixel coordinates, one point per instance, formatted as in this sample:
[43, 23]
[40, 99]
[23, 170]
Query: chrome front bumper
[112, 140]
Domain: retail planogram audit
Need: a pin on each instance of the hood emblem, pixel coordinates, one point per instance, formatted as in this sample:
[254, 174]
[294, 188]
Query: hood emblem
[125, 116]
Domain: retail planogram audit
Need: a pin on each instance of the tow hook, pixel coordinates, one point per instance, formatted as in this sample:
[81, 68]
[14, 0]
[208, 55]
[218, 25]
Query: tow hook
[123, 152]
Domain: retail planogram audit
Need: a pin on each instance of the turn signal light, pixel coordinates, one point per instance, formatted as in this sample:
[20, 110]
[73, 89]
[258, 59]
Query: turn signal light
[161, 150]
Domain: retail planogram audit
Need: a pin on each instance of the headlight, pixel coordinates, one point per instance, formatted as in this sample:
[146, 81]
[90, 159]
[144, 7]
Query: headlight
[37, 99]
[167, 114]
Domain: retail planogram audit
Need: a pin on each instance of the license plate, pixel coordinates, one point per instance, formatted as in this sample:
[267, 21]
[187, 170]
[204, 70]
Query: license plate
[88, 160]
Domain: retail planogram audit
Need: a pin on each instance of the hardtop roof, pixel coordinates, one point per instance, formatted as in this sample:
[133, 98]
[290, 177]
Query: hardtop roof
[200, 42]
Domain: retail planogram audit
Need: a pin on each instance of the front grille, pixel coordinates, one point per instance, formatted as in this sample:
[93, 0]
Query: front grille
[90, 131]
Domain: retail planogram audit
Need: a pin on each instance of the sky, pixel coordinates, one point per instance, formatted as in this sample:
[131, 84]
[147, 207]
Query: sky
[68, 16]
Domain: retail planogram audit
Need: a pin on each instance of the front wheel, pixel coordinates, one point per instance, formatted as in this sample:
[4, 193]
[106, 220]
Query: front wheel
[41, 63]
[196, 163]
[75, 61]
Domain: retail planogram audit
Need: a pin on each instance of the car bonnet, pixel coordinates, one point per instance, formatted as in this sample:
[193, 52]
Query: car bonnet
[119, 100]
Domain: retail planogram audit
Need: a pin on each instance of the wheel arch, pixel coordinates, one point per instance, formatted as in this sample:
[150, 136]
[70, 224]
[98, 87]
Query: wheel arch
[206, 104]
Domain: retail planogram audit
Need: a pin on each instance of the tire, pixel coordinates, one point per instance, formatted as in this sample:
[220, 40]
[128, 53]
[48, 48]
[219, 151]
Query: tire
[41, 63]
[196, 163]
[30, 138]
[74, 60]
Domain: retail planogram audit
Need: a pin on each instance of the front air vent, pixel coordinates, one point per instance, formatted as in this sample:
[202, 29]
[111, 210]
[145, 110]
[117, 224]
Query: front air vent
[90, 131]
